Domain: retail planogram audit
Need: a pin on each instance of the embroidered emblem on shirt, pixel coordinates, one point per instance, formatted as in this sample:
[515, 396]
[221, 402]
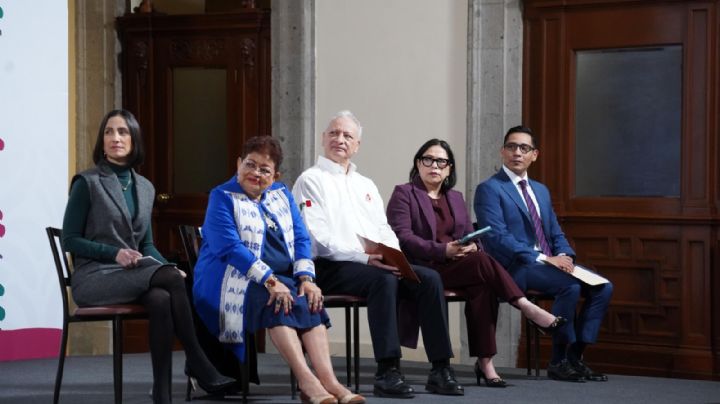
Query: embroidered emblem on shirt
[368, 198]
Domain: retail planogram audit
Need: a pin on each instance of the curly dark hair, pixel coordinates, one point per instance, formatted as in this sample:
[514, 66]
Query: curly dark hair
[264, 145]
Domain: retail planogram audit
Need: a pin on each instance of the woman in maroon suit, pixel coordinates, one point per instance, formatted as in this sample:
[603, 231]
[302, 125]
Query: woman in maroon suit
[429, 218]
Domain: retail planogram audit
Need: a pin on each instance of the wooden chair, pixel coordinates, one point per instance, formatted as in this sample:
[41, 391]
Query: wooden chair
[349, 303]
[532, 335]
[455, 295]
[115, 313]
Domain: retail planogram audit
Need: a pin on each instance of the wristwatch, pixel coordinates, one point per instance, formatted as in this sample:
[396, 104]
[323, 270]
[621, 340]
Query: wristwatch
[271, 281]
[306, 278]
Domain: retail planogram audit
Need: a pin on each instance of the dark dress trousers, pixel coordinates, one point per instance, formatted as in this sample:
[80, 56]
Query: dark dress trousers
[424, 303]
[411, 215]
[499, 204]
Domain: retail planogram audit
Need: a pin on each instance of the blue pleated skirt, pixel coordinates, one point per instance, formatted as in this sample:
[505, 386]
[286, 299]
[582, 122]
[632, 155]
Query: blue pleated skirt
[259, 315]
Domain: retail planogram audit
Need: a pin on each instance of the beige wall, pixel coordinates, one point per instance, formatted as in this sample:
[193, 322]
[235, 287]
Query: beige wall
[400, 66]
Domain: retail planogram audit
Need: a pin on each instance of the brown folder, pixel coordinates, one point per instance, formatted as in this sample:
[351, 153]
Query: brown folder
[391, 257]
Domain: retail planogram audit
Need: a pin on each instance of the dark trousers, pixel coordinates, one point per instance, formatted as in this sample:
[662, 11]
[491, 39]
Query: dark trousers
[382, 290]
[567, 291]
[485, 281]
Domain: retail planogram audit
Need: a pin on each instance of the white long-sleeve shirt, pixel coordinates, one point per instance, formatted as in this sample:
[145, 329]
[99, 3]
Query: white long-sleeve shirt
[337, 206]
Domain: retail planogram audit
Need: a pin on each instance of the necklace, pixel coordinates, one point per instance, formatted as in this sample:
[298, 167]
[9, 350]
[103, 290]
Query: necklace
[126, 186]
[269, 222]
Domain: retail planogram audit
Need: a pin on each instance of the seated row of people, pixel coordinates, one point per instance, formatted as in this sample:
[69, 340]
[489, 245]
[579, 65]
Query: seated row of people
[269, 254]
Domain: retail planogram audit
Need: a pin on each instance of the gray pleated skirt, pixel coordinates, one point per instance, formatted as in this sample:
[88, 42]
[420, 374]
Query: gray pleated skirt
[101, 284]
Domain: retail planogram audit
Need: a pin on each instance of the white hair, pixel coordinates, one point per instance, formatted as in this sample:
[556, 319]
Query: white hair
[346, 113]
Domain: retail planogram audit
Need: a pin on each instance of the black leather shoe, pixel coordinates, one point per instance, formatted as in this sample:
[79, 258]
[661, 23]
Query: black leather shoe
[442, 381]
[219, 384]
[565, 372]
[392, 384]
[587, 373]
[559, 322]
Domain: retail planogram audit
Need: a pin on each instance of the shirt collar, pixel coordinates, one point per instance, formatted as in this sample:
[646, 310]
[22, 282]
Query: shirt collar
[514, 177]
[333, 167]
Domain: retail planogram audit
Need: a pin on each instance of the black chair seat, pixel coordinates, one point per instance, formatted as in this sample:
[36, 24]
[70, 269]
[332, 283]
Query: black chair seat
[110, 311]
[341, 300]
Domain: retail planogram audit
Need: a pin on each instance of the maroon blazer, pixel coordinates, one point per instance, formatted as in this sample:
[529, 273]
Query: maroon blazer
[411, 215]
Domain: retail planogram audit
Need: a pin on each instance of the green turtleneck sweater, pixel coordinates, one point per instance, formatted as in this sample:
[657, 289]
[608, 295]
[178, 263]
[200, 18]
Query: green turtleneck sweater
[75, 219]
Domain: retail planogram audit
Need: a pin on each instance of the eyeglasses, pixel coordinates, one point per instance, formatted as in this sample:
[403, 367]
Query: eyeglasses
[428, 161]
[252, 166]
[524, 148]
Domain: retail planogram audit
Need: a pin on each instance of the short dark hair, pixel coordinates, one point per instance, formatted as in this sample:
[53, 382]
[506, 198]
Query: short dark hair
[137, 153]
[452, 178]
[521, 129]
[264, 145]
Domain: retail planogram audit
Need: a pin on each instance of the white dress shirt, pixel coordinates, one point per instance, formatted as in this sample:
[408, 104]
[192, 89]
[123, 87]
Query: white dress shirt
[337, 206]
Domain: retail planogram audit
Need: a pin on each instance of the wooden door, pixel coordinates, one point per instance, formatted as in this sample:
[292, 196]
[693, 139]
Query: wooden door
[210, 107]
[200, 86]
[645, 214]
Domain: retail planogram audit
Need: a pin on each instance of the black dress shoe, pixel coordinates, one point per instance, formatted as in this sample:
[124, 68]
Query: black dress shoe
[587, 373]
[392, 384]
[218, 384]
[442, 381]
[565, 372]
[480, 375]
[559, 322]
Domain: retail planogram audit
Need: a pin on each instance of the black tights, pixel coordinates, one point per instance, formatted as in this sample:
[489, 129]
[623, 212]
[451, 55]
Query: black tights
[170, 314]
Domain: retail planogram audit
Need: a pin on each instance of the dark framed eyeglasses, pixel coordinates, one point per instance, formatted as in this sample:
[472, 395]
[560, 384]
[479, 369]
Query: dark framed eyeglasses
[428, 161]
[524, 148]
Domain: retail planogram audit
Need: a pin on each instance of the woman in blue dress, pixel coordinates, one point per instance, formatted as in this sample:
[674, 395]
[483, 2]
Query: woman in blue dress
[255, 271]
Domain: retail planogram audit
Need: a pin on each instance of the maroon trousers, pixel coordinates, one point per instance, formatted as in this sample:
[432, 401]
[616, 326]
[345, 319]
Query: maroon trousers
[485, 281]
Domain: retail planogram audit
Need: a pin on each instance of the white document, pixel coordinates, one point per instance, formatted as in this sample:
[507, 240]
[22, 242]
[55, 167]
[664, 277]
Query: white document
[588, 276]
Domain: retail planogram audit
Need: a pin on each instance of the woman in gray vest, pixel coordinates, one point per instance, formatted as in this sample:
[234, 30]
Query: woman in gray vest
[107, 229]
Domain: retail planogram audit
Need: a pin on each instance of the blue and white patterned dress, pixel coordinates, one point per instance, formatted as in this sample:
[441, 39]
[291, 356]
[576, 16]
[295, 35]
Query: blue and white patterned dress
[244, 242]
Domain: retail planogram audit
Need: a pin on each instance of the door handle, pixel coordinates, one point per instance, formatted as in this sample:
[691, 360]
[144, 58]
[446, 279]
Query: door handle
[163, 198]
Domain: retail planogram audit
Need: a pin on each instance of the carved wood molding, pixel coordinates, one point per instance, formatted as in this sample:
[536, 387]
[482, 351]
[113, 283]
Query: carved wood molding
[247, 50]
[197, 51]
[139, 52]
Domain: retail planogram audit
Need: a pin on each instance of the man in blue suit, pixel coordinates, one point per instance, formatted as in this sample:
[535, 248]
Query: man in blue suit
[528, 241]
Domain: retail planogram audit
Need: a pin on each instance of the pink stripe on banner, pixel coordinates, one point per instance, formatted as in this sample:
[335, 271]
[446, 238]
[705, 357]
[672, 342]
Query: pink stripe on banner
[29, 343]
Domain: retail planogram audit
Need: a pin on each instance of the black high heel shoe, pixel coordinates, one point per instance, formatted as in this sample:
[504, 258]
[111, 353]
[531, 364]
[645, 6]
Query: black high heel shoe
[218, 385]
[480, 375]
[554, 326]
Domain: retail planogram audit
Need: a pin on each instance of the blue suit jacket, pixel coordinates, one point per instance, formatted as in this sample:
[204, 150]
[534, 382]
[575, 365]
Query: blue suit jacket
[512, 239]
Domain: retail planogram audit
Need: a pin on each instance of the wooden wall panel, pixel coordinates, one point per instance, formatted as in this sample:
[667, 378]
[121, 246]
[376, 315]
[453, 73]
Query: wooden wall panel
[662, 254]
[697, 153]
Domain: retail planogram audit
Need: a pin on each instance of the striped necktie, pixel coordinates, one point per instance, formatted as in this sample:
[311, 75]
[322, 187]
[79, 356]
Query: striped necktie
[537, 223]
